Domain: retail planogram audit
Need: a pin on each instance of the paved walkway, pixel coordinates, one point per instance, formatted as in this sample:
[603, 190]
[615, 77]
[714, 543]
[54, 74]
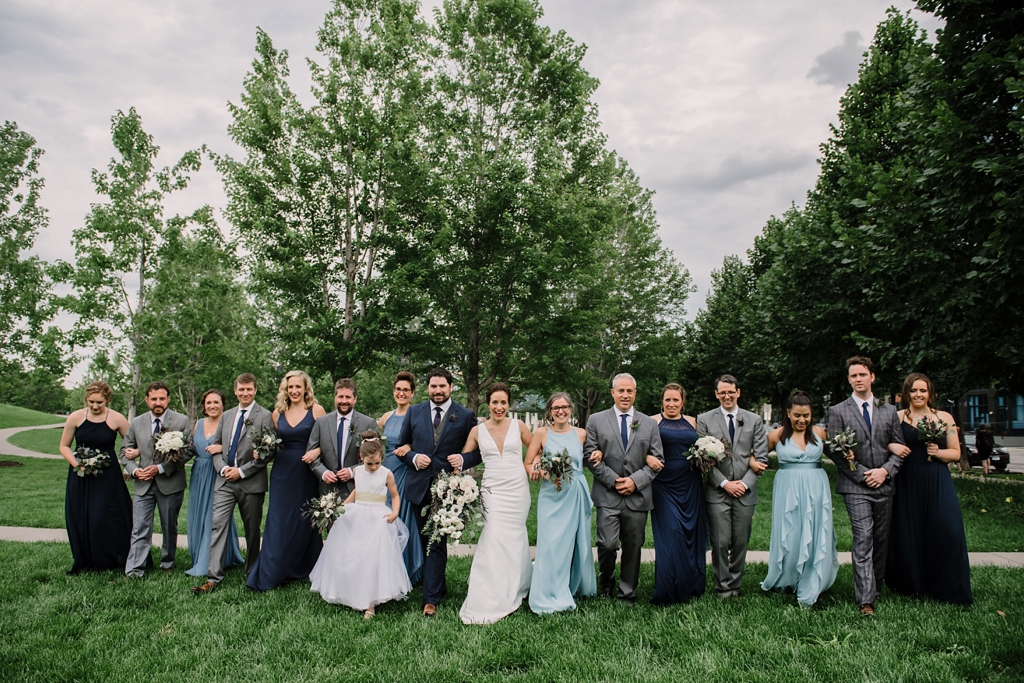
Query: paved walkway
[6, 448]
[29, 534]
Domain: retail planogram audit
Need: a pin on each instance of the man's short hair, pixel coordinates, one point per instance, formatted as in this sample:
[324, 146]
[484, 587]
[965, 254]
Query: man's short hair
[440, 372]
[346, 383]
[246, 378]
[157, 386]
[860, 360]
[728, 379]
[624, 375]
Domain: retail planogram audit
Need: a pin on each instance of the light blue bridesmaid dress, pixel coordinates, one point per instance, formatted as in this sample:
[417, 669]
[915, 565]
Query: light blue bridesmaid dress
[802, 553]
[199, 518]
[564, 565]
[413, 553]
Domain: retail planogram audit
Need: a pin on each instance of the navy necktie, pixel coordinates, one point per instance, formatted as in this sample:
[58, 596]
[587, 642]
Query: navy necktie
[234, 439]
[156, 426]
[867, 416]
[732, 431]
[437, 416]
[625, 432]
[341, 439]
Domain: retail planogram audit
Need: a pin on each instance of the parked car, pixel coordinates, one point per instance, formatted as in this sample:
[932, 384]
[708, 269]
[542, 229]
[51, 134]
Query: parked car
[999, 459]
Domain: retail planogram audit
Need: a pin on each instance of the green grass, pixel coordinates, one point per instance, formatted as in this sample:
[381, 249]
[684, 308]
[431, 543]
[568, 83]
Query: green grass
[33, 495]
[102, 627]
[39, 440]
[13, 416]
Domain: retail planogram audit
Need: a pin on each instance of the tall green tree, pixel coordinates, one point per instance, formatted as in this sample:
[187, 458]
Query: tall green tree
[117, 250]
[202, 328]
[516, 165]
[322, 186]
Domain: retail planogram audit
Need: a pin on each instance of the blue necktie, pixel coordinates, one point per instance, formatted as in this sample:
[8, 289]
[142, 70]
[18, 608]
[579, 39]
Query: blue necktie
[341, 439]
[867, 416]
[625, 433]
[234, 439]
[732, 431]
[156, 426]
[437, 417]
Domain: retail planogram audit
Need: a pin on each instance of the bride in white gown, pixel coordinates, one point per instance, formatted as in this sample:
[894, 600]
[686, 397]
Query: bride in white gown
[500, 576]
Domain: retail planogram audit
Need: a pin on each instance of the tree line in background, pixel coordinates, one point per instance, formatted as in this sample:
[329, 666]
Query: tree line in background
[446, 197]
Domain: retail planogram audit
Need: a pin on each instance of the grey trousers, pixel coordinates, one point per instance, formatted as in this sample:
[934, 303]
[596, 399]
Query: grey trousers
[729, 530]
[250, 506]
[627, 527]
[143, 506]
[870, 516]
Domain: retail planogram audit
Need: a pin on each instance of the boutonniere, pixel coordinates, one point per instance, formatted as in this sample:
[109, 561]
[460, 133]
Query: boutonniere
[247, 422]
[739, 421]
[636, 423]
[352, 428]
[452, 418]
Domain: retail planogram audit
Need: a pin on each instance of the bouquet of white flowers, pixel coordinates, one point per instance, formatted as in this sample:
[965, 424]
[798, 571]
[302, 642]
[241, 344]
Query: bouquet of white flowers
[169, 446]
[706, 452]
[843, 442]
[558, 467]
[455, 507]
[90, 461]
[264, 444]
[324, 510]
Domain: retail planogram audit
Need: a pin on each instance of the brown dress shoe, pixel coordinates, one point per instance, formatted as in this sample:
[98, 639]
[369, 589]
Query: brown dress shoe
[867, 611]
[205, 588]
[429, 610]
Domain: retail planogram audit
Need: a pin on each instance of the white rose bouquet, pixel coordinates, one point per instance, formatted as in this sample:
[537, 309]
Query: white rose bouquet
[706, 452]
[455, 508]
[324, 510]
[90, 461]
[558, 467]
[169, 446]
[264, 444]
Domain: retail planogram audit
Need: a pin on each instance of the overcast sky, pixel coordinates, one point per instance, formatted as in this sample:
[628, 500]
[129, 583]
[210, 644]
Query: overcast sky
[719, 105]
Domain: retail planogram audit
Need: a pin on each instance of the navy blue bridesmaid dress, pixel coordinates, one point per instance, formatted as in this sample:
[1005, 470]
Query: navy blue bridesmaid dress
[291, 546]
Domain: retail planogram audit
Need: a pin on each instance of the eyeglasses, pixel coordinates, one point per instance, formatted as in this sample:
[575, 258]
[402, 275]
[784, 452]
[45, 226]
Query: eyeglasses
[728, 393]
[560, 409]
[403, 391]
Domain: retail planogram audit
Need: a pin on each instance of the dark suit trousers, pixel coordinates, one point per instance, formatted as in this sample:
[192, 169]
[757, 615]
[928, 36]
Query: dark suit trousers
[870, 517]
[627, 527]
[435, 563]
[250, 506]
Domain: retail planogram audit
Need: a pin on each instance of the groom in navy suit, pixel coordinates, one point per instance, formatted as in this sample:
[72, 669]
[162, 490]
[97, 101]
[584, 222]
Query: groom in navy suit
[431, 440]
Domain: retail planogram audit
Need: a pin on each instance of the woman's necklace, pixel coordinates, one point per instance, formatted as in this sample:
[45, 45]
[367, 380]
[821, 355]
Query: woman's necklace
[568, 428]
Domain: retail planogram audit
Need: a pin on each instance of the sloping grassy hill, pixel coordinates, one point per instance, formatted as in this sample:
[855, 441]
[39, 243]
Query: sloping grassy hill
[13, 416]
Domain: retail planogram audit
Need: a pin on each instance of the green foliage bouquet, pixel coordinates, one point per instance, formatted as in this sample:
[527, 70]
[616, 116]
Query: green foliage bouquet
[324, 510]
[90, 461]
[932, 432]
[264, 444]
[844, 442]
[558, 467]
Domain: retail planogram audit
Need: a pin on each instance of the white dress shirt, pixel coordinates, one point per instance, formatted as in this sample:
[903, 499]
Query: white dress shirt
[234, 426]
[736, 425]
[871, 406]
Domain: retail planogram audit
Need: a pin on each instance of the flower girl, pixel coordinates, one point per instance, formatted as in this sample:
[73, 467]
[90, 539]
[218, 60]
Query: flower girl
[361, 565]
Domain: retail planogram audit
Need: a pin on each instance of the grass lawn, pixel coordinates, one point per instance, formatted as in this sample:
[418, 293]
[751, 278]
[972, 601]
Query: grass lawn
[41, 440]
[33, 495]
[13, 416]
[102, 627]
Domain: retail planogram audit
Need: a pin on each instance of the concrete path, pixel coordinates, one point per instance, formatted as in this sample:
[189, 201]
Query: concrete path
[6, 448]
[30, 534]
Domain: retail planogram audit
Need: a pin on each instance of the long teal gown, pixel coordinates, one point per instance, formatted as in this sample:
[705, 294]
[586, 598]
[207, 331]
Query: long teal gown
[413, 553]
[564, 565]
[802, 554]
[199, 518]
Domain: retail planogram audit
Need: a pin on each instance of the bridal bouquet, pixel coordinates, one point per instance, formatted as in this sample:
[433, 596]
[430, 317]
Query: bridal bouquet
[169, 446]
[264, 444]
[324, 510]
[455, 505]
[932, 432]
[706, 452]
[90, 461]
[844, 442]
[558, 465]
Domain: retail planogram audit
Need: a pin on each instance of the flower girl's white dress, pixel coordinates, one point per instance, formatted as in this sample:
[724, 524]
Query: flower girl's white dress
[361, 564]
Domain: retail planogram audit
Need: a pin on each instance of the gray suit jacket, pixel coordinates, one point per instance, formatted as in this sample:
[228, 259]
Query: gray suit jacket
[325, 437]
[140, 435]
[751, 439]
[604, 434]
[254, 472]
[873, 451]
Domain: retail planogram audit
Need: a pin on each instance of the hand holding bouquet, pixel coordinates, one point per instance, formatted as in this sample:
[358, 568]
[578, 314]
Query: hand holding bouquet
[932, 432]
[264, 444]
[706, 453]
[844, 442]
[455, 504]
[558, 467]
